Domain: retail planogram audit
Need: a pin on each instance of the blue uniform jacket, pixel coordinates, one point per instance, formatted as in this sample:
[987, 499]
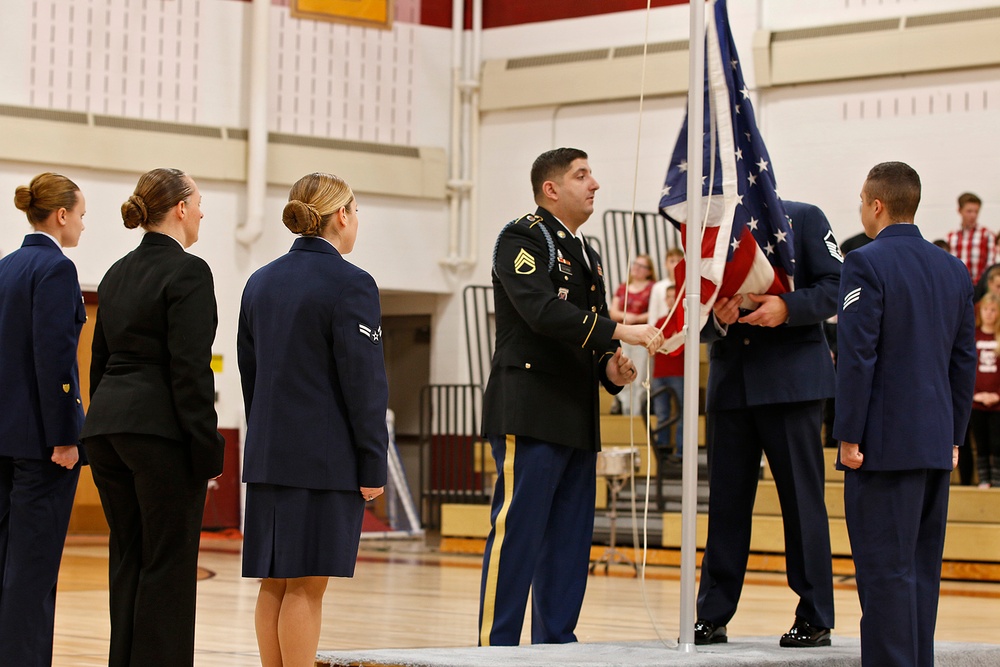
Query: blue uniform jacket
[907, 361]
[314, 387]
[761, 365]
[41, 314]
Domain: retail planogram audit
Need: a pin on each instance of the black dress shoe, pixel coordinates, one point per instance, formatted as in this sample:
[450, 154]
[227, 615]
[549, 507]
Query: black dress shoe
[706, 632]
[805, 635]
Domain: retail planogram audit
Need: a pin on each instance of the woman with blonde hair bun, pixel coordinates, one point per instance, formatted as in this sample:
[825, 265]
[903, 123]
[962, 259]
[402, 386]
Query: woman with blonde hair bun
[315, 392]
[41, 314]
[151, 431]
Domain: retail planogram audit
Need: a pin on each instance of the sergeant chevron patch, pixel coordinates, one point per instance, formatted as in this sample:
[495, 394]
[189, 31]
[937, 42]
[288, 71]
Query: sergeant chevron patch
[852, 297]
[371, 335]
[832, 247]
[524, 263]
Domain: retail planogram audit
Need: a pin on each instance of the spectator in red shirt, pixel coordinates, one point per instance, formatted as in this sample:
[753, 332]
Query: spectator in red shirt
[974, 245]
[985, 420]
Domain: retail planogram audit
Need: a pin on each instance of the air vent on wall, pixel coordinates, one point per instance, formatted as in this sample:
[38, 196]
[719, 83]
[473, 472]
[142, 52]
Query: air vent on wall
[886, 47]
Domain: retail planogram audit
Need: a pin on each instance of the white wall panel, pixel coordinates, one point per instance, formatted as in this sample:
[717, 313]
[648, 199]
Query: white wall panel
[788, 14]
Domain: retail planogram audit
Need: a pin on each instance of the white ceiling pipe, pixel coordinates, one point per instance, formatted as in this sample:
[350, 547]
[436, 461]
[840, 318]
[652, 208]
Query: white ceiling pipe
[251, 228]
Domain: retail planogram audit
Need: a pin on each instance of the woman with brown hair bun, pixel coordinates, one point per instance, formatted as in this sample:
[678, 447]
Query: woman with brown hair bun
[151, 430]
[41, 314]
[314, 387]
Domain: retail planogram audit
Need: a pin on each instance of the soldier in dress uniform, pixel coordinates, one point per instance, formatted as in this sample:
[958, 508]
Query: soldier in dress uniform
[555, 347]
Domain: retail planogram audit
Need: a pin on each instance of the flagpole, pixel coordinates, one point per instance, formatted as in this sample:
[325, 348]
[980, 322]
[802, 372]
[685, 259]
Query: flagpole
[692, 348]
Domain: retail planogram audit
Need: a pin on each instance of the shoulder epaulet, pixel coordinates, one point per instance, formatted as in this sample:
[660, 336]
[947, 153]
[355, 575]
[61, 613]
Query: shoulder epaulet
[531, 221]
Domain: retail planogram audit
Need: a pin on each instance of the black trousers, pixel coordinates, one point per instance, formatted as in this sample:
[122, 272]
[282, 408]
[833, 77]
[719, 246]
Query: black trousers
[789, 434]
[36, 499]
[154, 506]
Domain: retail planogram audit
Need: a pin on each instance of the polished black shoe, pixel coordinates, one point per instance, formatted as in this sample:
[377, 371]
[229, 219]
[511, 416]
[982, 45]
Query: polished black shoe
[805, 635]
[706, 632]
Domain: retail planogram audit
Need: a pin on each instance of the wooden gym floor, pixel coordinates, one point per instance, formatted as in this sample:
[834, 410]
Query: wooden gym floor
[405, 594]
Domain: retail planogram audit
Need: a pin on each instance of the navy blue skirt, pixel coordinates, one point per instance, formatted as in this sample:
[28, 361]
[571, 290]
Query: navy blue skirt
[291, 532]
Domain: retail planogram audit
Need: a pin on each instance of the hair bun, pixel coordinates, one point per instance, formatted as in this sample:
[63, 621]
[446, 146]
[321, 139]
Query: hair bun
[23, 198]
[302, 218]
[134, 212]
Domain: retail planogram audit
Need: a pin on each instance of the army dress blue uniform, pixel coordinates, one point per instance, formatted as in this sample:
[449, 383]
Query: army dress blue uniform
[541, 415]
[905, 375]
[41, 315]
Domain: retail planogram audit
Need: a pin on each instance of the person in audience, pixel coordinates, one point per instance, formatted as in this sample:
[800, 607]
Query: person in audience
[907, 368]
[668, 383]
[974, 245]
[769, 371]
[309, 347]
[151, 430]
[985, 420]
[555, 347]
[658, 295]
[629, 306]
[41, 314]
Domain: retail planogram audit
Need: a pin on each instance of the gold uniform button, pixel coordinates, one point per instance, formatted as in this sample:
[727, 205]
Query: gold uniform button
[746, 341]
[527, 366]
[565, 277]
[593, 288]
[593, 309]
[79, 401]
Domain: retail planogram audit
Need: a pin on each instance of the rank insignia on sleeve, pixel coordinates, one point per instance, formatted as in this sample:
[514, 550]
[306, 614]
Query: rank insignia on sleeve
[852, 297]
[524, 263]
[65, 388]
[371, 334]
[563, 293]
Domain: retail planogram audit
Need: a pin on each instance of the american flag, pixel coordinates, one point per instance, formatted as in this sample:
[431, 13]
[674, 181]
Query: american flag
[747, 240]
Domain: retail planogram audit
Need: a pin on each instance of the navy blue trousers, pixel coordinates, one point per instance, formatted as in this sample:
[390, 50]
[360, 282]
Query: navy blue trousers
[36, 499]
[789, 434]
[542, 528]
[896, 521]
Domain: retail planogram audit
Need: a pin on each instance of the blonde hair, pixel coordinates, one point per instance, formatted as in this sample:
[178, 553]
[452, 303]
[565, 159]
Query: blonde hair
[313, 201]
[155, 194]
[989, 297]
[46, 193]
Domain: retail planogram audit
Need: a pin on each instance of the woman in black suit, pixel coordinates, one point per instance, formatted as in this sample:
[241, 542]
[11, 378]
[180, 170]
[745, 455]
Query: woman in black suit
[151, 430]
[314, 386]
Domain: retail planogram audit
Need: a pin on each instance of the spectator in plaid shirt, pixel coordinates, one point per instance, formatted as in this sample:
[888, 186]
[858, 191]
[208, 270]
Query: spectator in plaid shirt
[974, 245]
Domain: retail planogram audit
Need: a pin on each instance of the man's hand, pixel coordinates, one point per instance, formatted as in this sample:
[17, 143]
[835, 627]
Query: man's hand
[67, 456]
[850, 455]
[954, 457]
[771, 311]
[620, 369]
[640, 334]
[727, 310]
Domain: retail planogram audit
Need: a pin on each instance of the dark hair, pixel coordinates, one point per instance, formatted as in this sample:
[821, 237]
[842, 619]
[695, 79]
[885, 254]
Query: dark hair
[551, 164]
[897, 186]
[941, 243]
[968, 198]
[155, 194]
[46, 193]
[313, 200]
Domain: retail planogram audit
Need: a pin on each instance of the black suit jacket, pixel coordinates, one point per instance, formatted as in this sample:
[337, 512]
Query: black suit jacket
[553, 338]
[151, 367]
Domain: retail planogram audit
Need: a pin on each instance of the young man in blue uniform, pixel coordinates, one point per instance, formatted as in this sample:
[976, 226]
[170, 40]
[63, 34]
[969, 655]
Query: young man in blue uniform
[555, 347]
[769, 372]
[905, 376]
